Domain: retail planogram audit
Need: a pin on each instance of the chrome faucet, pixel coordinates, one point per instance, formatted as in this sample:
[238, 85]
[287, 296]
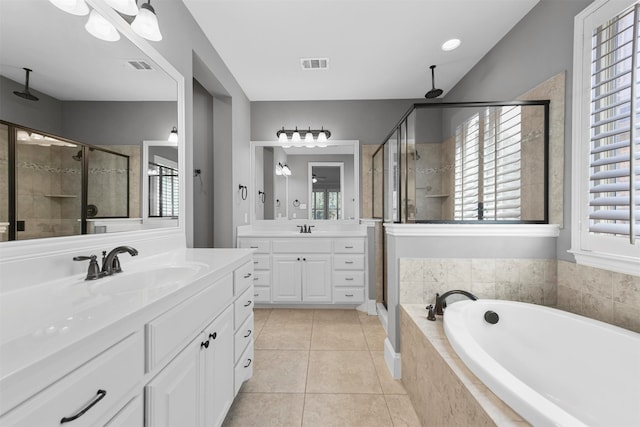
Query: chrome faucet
[110, 261]
[441, 301]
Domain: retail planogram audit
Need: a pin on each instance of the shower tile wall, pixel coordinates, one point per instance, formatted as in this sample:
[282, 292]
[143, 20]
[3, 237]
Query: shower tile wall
[600, 294]
[527, 280]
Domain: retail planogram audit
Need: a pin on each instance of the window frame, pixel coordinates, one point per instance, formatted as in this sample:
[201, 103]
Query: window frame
[596, 250]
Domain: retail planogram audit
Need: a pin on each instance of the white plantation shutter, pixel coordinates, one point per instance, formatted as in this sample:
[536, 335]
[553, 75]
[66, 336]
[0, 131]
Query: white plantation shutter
[467, 169]
[614, 161]
[502, 163]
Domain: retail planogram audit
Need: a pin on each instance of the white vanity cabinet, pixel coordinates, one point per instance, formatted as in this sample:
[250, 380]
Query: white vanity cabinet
[309, 269]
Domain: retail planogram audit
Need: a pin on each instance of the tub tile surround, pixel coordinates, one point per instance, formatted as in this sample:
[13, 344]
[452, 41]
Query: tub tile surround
[442, 389]
[320, 380]
[599, 294]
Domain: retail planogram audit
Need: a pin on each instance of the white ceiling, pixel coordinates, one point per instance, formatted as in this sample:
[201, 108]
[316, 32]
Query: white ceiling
[378, 49]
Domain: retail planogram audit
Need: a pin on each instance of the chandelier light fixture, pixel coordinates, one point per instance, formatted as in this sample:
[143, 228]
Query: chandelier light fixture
[306, 136]
[145, 23]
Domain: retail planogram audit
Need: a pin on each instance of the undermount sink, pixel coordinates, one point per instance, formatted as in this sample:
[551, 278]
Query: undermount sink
[151, 278]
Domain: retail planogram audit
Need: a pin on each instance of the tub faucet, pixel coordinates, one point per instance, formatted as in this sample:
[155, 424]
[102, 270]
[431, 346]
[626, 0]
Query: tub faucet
[110, 261]
[441, 300]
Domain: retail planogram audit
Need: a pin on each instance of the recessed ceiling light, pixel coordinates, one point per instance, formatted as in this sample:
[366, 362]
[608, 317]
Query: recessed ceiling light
[451, 44]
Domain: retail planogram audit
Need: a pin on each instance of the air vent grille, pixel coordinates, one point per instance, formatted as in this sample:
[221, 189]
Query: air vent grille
[314, 63]
[140, 65]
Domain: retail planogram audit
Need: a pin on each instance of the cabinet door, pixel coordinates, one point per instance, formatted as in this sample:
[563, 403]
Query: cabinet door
[172, 398]
[316, 278]
[287, 278]
[217, 361]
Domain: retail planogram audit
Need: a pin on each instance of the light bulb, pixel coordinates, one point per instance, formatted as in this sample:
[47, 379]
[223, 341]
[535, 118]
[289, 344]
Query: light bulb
[74, 7]
[309, 136]
[283, 136]
[146, 23]
[100, 28]
[296, 136]
[322, 136]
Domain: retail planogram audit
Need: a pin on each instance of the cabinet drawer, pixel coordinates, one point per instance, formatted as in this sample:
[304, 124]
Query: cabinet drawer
[243, 307]
[349, 246]
[348, 295]
[242, 337]
[131, 415]
[261, 246]
[348, 278]
[261, 294]
[242, 278]
[244, 368]
[302, 245]
[172, 330]
[111, 375]
[261, 262]
[262, 278]
[348, 262]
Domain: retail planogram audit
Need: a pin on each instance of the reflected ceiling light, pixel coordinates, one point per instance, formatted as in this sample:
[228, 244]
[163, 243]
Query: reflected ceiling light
[74, 7]
[310, 135]
[23, 135]
[173, 135]
[450, 45]
[126, 7]
[146, 23]
[314, 179]
[100, 28]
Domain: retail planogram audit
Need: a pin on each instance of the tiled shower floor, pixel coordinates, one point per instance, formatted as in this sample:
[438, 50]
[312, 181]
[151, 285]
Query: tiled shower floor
[320, 368]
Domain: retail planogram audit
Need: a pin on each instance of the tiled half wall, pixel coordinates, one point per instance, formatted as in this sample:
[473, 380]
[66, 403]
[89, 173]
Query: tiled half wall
[599, 294]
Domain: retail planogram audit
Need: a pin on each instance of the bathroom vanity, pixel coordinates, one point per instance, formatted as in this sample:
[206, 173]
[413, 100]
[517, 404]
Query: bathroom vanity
[167, 342]
[327, 265]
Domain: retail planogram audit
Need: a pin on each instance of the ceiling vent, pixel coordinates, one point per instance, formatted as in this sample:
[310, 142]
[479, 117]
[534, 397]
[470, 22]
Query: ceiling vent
[314, 63]
[139, 64]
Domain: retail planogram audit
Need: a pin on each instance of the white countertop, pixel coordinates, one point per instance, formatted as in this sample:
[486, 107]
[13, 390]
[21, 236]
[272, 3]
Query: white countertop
[39, 321]
[290, 230]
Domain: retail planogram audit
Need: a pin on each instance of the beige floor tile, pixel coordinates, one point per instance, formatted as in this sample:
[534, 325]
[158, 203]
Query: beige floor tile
[265, 409]
[278, 371]
[260, 316]
[342, 372]
[346, 336]
[290, 316]
[336, 316]
[401, 410]
[375, 335]
[389, 385]
[345, 410]
[284, 336]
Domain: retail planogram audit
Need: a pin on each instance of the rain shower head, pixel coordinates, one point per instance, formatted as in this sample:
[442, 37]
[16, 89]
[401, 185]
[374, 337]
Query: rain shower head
[25, 93]
[433, 93]
[78, 156]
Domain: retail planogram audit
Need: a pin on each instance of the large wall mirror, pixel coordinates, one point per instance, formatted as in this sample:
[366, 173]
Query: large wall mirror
[284, 187]
[100, 100]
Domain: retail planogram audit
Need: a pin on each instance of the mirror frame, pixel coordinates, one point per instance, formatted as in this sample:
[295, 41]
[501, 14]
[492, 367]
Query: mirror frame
[354, 144]
[45, 247]
[310, 196]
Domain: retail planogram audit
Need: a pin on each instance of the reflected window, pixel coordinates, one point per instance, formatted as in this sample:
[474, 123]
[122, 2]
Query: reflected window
[326, 204]
[163, 191]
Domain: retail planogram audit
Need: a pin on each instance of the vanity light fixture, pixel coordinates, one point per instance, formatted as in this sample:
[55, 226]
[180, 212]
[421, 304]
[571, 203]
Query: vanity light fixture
[283, 169]
[173, 135]
[74, 7]
[146, 23]
[100, 28]
[319, 135]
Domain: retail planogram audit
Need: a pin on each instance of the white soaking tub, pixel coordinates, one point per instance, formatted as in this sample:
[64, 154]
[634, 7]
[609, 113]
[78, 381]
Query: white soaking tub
[552, 367]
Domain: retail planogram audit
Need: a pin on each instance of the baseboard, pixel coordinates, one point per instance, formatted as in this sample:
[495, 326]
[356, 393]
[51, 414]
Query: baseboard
[384, 317]
[392, 360]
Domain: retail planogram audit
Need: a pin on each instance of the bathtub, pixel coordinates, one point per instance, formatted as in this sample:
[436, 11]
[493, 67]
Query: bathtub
[552, 367]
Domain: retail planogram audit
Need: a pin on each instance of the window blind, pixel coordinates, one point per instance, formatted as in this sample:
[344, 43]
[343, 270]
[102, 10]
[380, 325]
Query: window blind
[467, 169]
[614, 162]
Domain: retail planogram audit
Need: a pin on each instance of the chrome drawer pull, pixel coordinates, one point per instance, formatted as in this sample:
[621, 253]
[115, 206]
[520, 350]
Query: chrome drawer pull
[253, 247]
[248, 364]
[246, 276]
[248, 333]
[256, 278]
[348, 262]
[256, 295]
[248, 303]
[348, 247]
[348, 295]
[348, 278]
[99, 396]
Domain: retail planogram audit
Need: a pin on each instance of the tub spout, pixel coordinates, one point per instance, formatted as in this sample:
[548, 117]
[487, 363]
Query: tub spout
[441, 300]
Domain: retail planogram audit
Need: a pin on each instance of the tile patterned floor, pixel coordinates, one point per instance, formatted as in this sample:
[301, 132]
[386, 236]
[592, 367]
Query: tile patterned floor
[320, 368]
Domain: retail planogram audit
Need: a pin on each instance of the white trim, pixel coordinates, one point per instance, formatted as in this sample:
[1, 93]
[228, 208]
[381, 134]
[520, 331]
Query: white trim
[616, 263]
[473, 230]
[383, 316]
[392, 359]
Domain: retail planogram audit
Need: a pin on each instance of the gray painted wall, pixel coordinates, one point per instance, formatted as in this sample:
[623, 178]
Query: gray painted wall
[44, 115]
[225, 172]
[203, 194]
[539, 47]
